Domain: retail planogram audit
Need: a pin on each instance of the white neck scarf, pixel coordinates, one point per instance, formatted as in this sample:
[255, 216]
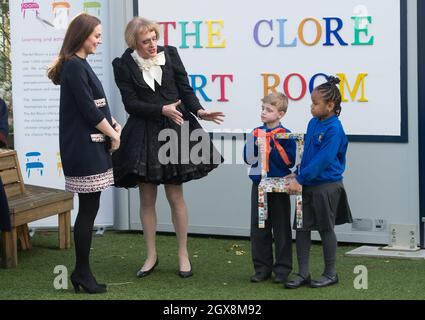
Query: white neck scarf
[151, 68]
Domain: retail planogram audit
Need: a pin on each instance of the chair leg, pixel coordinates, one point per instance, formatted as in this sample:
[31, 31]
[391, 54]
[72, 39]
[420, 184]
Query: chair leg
[23, 237]
[65, 230]
[20, 238]
[9, 249]
[27, 237]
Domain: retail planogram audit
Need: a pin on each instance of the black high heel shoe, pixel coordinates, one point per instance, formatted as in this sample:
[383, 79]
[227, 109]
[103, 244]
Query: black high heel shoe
[99, 284]
[186, 274]
[88, 284]
[141, 274]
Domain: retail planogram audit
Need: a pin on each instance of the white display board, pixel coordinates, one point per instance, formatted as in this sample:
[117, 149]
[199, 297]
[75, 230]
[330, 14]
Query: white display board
[236, 51]
[37, 32]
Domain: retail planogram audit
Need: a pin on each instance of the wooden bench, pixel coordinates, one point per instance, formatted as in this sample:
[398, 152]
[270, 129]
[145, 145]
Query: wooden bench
[27, 204]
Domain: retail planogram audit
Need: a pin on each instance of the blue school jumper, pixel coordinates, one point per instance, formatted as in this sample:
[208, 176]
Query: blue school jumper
[325, 147]
[325, 202]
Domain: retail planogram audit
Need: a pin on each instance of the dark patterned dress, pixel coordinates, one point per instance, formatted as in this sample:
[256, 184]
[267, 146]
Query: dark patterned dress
[139, 158]
[86, 161]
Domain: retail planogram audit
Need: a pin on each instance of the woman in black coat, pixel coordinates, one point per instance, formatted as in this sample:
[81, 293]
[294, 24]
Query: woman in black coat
[87, 136]
[4, 127]
[4, 207]
[155, 146]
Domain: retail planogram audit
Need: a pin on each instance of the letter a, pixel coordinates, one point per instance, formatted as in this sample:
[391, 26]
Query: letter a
[361, 281]
[61, 281]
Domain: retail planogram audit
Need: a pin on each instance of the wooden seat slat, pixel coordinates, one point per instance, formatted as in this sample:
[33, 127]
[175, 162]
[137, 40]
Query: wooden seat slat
[9, 176]
[7, 163]
[13, 190]
[35, 197]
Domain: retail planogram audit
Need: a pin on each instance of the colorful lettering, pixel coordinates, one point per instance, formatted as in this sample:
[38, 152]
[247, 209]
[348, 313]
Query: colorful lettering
[357, 31]
[185, 34]
[353, 93]
[216, 33]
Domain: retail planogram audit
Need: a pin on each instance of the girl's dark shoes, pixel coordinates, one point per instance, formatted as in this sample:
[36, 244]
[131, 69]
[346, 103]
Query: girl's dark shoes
[297, 282]
[186, 274]
[87, 283]
[142, 274]
[280, 278]
[324, 281]
[259, 277]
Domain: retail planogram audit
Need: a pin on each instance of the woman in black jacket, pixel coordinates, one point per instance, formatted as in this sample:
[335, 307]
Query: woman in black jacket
[154, 147]
[87, 136]
[4, 207]
[4, 127]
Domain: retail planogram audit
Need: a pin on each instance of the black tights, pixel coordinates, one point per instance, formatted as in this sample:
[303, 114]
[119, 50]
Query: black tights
[83, 228]
[329, 243]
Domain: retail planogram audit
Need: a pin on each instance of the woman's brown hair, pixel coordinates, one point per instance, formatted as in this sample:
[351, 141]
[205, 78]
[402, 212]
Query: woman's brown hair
[80, 28]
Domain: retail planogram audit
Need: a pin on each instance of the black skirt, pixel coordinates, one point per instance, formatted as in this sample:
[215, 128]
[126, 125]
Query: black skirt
[143, 158]
[324, 206]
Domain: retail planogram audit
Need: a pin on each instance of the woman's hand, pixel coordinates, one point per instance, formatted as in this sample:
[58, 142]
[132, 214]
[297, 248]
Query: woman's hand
[116, 140]
[172, 113]
[214, 116]
[105, 127]
[115, 144]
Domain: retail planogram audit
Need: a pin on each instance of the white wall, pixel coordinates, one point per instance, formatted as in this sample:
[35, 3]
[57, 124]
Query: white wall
[243, 52]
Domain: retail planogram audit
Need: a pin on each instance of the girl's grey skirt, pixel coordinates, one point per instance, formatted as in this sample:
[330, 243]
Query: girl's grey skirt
[324, 206]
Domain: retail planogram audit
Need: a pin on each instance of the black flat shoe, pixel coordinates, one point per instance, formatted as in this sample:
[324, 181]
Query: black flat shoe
[87, 283]
[141, 274]
[280, 278]
[297, 282]
[324, 281]
[258, 277]
[186, 274]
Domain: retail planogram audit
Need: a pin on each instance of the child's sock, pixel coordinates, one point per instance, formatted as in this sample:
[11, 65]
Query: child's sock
[303, 243]
[329, 243]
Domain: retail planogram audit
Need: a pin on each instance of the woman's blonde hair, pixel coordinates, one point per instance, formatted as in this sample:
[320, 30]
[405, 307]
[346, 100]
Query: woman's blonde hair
[136, 26]
[277, 99]
[80, 28]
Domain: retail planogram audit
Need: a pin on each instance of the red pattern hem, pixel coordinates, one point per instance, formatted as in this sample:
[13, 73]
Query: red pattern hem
[90, 184]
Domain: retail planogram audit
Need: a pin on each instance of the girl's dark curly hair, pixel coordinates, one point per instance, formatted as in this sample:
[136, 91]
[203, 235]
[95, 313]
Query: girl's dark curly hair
[330, 93]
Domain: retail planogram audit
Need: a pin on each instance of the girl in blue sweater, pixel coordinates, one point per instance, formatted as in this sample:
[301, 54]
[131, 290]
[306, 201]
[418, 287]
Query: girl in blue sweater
[325, 201]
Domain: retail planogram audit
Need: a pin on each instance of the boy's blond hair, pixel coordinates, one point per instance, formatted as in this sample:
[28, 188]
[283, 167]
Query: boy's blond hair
[277, 99]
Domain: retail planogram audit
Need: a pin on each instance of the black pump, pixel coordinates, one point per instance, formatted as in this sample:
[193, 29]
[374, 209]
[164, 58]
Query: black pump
[186, 274]
[142, 274]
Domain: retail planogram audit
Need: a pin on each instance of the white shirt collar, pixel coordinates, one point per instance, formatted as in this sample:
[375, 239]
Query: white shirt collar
[150, 68]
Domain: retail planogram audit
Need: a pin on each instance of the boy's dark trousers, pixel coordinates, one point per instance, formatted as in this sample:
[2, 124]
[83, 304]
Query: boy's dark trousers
[279, 220]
